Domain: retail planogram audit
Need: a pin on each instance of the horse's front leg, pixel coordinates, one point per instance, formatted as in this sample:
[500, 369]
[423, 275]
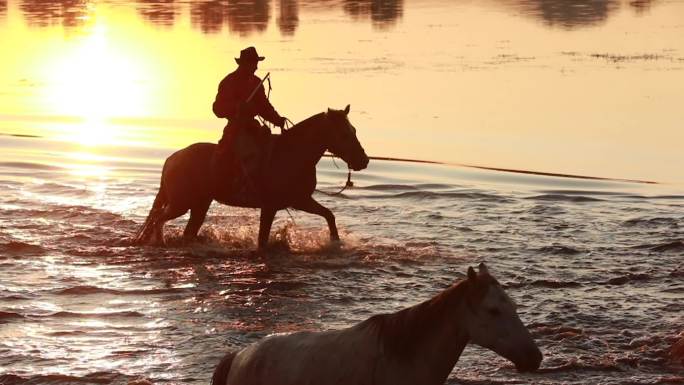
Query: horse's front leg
[311, 206]
[265, 223]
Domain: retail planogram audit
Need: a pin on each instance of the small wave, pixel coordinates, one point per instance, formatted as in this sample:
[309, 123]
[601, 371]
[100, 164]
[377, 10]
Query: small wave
[564, 198]
[547, 283]
[652, 222]
[558, 250]
[70, 314]
[62, 189]
[56, 379]
[403, 187]
[9, 315]
[67, 333]
[663, 247]
[574, 365]
[389, 187]
[29, 166]
[15, 297]
[628, 278]
[85, 290]
[557, 333]
[16, 247]
[554, 284]
[667, 197]
[80, 214]
[579, 192]
[421, 195]
[20, 135]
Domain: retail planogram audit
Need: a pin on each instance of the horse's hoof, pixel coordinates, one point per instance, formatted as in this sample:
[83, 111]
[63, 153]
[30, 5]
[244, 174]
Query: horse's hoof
[335, 244]
[259, 253]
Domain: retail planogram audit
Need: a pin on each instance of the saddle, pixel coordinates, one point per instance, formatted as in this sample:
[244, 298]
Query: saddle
[240, 167]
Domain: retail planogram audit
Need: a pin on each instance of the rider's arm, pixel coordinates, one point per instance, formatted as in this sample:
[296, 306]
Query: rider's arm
[262, 106]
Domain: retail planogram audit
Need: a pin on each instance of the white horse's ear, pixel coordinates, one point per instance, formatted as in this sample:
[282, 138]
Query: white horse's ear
[346, 109]
[471, 273]
[482, 269]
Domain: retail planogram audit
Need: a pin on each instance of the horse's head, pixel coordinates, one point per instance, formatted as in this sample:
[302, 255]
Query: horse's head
[343, 141]
[493, 322]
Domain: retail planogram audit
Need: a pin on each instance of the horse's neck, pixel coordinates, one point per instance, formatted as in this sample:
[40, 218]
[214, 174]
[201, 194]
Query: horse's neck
[428, 337]
[306, 142]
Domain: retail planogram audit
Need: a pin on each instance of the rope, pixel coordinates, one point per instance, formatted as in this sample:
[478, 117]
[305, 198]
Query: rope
[268, 96]
[348, 184]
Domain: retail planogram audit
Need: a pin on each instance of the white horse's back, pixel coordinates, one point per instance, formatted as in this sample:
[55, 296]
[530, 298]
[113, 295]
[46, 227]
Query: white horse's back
[307, 358]
[417, 345]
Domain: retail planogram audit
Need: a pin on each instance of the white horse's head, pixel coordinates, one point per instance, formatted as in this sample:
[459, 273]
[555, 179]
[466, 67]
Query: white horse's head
[343, 141]
[493, 323]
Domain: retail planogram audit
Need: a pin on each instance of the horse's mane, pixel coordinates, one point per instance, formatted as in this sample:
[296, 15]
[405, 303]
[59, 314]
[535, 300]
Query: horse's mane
[302, 126]
[401, 333]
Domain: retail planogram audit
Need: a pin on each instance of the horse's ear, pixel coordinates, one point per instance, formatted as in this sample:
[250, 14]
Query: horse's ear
[471, 273]
[482, 269]
[346, 109]
[329, 110]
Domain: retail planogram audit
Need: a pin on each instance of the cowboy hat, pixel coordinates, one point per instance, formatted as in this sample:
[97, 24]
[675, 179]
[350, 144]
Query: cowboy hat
[249, 54]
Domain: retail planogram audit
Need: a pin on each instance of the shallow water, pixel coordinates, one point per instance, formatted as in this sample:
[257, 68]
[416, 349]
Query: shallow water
[98, 93]
[596, 267]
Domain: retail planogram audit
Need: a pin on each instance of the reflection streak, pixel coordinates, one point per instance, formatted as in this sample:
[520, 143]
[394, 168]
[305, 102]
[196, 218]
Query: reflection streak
[242, 17]
[572, 14]
[70, 13]
[383, 13]
[160, 12]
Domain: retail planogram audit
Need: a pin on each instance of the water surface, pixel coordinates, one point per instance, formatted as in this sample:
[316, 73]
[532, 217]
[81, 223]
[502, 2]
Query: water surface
[95, 94]
[576, 87]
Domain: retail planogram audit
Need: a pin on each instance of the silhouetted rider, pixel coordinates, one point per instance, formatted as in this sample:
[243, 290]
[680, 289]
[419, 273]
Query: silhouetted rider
[234, 90]
[232, 103]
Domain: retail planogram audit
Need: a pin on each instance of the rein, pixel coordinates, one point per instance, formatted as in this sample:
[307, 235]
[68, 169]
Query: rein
[348, 184]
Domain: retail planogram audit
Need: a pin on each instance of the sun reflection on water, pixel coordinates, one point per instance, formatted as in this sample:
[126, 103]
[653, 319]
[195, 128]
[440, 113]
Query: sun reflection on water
[88, 165]
[96, 79]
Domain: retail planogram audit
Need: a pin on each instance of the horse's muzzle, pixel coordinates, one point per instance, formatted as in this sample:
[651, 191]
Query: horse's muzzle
[360, 164]
[530, 362]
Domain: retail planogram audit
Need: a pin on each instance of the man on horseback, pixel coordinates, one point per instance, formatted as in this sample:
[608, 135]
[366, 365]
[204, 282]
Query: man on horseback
[240, 98]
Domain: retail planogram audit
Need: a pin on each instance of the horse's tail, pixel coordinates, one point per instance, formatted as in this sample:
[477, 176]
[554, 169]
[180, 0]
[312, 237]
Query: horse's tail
[148, 227]
[220, 376]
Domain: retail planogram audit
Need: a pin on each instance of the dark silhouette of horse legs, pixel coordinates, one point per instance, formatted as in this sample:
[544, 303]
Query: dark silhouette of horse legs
[310, 205]
[197, 215]
[265, 223]
[164, 210]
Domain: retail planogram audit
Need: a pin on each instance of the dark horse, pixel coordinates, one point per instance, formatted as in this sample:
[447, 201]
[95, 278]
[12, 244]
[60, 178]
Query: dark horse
[289, 177]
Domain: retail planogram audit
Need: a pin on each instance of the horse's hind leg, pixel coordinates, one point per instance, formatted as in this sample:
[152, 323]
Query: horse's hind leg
[311, 206]
[197, 215]
[170, 212]
[265, 223]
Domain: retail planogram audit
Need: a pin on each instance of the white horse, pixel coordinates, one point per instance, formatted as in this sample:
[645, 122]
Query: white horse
[417, 345]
